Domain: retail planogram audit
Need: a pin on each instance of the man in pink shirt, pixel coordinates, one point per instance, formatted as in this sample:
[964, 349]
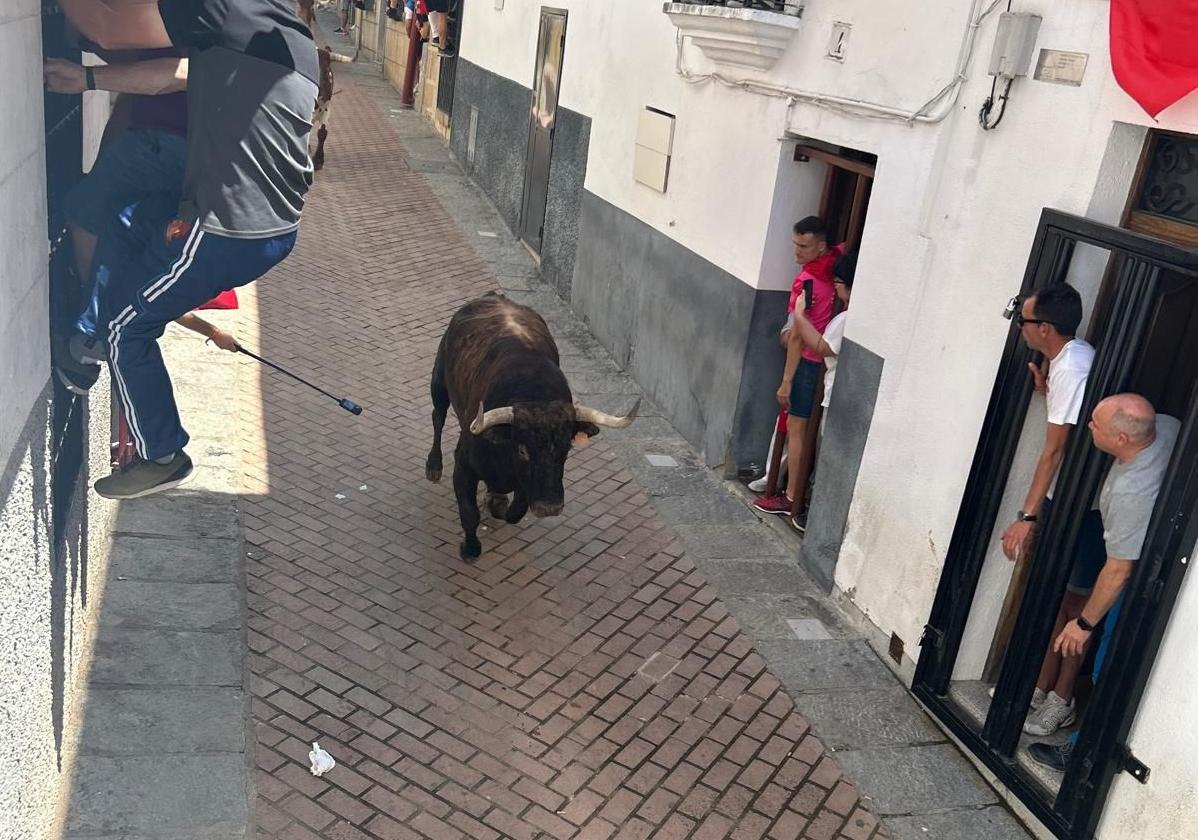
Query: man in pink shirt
[814, 294]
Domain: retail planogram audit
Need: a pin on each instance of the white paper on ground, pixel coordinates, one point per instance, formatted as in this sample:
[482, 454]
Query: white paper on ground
[322, 762]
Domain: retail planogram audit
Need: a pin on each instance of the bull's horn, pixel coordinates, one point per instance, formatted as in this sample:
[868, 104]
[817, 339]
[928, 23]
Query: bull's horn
[611, 421]
[486, 419]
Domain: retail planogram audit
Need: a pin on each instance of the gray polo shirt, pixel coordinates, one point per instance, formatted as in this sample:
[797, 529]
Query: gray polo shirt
[1130, 490]
[251, 90]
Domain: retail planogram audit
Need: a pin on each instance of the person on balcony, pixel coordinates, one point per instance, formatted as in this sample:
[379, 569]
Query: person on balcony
[1127, 427]
[251, 88]
[1048, 322]
[813, 288]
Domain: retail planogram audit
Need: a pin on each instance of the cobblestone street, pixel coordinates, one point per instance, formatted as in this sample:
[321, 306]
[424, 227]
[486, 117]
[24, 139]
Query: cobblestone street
[582, 680]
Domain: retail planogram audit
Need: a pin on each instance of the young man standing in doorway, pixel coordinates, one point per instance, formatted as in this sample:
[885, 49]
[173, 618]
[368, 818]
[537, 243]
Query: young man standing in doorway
[812, 295]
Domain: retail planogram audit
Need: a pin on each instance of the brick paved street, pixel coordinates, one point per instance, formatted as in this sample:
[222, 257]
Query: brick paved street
[581, 681]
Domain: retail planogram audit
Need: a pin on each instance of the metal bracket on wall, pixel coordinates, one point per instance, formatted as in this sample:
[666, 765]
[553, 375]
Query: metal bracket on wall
[931, 634]
[1131, 765]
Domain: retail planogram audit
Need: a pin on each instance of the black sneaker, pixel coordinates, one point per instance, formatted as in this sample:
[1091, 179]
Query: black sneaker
[340, 31]
[76, 375]
[1053, 756]
[447, 51]
[143, 478]
[799, 522]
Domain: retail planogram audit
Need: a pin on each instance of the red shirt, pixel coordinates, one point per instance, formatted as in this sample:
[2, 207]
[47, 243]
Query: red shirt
[823, 294]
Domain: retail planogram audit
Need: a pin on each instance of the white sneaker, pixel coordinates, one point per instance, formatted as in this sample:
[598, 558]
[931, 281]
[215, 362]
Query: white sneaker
[1038, 697]
[1050, 717]
[760, 484]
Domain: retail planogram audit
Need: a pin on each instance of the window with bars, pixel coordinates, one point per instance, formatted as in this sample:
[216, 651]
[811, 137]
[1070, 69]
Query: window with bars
[1164, 201]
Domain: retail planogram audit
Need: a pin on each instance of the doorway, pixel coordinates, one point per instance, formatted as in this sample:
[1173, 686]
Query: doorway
[542, 121]
[1145, 314]
[848, 182]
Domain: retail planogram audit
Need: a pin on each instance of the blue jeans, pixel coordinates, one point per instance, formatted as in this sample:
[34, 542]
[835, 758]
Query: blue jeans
[150, 282]
[142, 165]
[136, 164]
[1108, 630]
[803, 387]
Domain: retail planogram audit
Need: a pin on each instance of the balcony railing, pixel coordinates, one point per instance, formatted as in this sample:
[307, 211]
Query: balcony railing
[789, 7]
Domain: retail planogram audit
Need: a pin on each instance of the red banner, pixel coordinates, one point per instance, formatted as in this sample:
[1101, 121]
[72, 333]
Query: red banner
[225, 300]
[1154, 50]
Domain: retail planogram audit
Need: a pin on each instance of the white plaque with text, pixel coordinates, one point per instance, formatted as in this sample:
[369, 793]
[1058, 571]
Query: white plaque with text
[1061, 67]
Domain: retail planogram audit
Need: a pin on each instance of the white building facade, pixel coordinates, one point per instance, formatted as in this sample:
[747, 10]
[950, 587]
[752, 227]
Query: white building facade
[668, 153]
[53, 534]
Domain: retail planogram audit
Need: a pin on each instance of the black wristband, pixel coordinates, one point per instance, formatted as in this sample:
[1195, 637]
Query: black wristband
[1085, 625]
[90, 76]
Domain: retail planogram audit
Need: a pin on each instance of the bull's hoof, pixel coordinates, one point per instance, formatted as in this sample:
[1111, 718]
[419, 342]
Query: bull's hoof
[470, 549]
[514, 515]
[432, 469]
[497, 504]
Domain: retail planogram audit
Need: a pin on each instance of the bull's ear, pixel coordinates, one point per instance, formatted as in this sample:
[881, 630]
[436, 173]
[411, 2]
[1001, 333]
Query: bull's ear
[584, 430]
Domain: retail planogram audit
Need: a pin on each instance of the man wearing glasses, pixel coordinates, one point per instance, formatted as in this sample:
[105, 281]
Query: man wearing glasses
[1048, 323]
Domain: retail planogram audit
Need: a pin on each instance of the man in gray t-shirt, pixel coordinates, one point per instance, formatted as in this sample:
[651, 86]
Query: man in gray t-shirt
[1126, 426]
[251, 89]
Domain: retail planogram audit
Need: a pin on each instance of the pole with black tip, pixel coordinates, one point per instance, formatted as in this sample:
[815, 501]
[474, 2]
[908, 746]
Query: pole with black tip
[348, 404]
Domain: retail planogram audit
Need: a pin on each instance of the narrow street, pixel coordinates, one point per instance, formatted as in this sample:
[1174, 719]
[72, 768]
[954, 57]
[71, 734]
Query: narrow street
[582, 680]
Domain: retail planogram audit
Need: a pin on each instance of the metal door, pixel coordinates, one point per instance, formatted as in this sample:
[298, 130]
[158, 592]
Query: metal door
[1139, 263]
[542, 121]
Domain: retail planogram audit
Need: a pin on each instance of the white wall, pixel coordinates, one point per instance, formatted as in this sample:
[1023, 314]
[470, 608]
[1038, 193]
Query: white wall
[22, 221]
[43, 616]
[1162, 737]
[619, 59]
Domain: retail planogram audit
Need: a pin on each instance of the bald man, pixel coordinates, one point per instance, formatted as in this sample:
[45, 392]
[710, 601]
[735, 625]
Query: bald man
[1126, 426]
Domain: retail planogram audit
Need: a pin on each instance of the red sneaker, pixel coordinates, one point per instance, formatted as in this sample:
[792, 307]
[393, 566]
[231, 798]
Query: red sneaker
[774, 504]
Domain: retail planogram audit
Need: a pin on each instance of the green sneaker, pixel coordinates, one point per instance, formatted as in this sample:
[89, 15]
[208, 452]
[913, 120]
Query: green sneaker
[142, 478]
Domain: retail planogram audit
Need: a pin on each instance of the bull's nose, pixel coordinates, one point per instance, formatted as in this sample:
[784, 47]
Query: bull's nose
[546, 508]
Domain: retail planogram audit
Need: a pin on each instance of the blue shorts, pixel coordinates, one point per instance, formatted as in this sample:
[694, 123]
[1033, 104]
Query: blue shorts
[804, 386]
[135, 165]
[1089, 554]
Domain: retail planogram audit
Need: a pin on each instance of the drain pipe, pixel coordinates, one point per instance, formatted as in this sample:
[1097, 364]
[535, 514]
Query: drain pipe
[407, 95]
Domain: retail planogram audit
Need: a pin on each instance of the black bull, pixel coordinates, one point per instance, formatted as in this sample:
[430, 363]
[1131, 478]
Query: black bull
[498, 366]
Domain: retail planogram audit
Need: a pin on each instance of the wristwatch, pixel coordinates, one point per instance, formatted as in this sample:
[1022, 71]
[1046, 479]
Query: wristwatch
[1020, 516]
[90, 76]
[1085, 625]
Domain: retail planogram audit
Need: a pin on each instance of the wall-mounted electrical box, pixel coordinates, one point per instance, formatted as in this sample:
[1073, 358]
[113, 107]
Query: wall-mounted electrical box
[654, 145]
[1013, 44]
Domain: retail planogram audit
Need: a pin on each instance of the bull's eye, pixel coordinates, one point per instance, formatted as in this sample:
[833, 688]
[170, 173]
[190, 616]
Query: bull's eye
[522, 452]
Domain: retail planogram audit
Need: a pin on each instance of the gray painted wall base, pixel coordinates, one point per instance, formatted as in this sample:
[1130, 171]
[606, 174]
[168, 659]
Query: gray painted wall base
[849, 417]
[756, 404]
[677, 322]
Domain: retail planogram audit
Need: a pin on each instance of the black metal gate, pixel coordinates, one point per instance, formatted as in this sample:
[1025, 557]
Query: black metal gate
[449, 66]
[64, 168]
[1137, 262]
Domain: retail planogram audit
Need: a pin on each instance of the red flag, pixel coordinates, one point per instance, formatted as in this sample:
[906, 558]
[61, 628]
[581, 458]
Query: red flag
[1154, 50]
[225, 300]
